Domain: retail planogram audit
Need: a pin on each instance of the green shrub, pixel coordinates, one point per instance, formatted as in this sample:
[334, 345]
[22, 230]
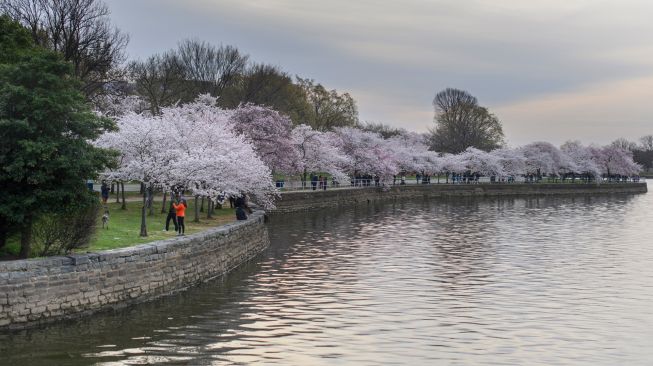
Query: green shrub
[61, 233]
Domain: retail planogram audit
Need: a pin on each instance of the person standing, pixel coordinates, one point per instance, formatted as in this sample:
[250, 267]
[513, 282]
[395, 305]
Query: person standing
[180, 211]
[104, 191]
[172, 214]
[232, 201]
[314, 181]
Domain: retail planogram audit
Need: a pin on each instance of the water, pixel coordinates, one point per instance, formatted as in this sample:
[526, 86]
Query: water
[548, 281]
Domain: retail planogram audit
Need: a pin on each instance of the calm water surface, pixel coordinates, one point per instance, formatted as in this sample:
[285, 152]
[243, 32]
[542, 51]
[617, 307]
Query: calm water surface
[548, 281]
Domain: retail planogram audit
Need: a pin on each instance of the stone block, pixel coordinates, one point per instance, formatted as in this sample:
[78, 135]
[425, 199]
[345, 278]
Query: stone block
[79, 259]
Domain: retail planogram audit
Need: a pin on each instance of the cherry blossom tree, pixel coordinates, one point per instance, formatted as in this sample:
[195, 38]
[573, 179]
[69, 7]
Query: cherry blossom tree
[615, 161]
[367, 151]
[411, 153]
[317, 151]
[192, 146]
[512, 162]
[212, 158]
[144, 154]
[582, 158]
[450, 164]
[480, 162]
[543, 158]
[270, 133]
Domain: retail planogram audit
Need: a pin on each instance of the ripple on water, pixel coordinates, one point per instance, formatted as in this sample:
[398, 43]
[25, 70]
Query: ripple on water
[564, 281]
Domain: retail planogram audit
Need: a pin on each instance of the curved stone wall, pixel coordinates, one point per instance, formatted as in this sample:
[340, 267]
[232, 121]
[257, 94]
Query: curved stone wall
[35, 291]
[307, 200]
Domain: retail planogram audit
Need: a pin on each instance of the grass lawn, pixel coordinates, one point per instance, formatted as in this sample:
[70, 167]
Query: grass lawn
[125, 227]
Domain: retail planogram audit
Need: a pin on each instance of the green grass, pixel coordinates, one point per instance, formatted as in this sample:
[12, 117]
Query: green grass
[125, 227]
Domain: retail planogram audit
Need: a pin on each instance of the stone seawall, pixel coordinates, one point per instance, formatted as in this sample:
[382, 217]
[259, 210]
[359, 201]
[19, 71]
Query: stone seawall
[36, 291]
[308, 200]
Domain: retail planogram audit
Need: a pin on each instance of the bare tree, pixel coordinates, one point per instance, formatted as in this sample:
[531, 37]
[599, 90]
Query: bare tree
[646, 142]
[453, 100]
[78, 29]
[622, 143]
[180, 75]
[462, 123]
[159, 80]
[267, 85]
[210, 69]
[386, 131]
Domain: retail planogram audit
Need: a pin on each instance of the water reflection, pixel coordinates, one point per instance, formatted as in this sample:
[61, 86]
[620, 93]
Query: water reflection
[547, 280]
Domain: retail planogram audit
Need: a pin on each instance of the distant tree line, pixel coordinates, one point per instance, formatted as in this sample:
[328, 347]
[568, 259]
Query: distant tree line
[194, 68]
[60, 59]
[81, 31]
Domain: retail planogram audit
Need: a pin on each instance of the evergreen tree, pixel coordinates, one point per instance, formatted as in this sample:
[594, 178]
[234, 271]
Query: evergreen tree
[46, 129]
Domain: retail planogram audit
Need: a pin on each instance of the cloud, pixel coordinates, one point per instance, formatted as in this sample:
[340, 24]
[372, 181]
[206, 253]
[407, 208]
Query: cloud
[597, 113]
[393, 56]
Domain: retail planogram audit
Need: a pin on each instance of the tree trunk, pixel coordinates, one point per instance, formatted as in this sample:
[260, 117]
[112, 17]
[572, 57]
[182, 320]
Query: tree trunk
[143, 210]
[111, 189]
[163, 205]
[26, 237]
[124, 205]
[3, 232]
[150, 200]
[117, 192]
[209, 210]
[197, 209]
[142, 188]
[202, 205]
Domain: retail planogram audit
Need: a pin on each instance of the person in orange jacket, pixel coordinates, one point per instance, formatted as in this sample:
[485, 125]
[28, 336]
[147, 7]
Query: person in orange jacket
[180, 209]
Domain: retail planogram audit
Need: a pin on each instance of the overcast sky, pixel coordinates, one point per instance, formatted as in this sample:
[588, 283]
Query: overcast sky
[550, 70]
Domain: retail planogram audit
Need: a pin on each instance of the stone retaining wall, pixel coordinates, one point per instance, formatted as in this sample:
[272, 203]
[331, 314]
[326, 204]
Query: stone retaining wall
[35, 291]
[308, 200]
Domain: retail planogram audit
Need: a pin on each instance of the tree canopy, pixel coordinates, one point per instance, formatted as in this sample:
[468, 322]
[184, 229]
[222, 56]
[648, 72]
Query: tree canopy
[461, 123]
[328, 109]
[46, 127]
[79, 30]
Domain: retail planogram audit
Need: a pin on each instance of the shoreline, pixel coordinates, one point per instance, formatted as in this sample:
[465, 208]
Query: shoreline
[44, 290]
[297, 201]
